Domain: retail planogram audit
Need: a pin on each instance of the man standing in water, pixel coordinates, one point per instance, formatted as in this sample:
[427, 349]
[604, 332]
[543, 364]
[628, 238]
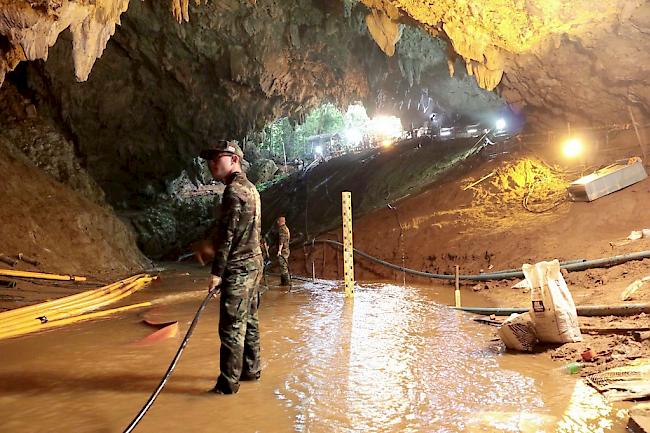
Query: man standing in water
[237, 268]
[283, 251]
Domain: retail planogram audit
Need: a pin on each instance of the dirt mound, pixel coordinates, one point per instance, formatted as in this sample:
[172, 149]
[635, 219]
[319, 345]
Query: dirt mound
[485, 215]
[526, 182]
[64, 231]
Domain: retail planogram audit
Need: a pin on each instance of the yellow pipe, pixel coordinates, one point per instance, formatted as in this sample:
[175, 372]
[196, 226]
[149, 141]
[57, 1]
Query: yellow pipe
[108, 296]
[76, 310]
[57, 302]
[55, 324]
[66, 300]
[26, 319]
[71, 310]
[40, 275]
[98, 300]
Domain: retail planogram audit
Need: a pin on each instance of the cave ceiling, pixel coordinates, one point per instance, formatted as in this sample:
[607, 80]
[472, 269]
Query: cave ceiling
[140, 86]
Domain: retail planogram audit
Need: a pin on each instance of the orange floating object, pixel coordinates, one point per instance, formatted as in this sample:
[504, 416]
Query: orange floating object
[169, 331]
[159, 323]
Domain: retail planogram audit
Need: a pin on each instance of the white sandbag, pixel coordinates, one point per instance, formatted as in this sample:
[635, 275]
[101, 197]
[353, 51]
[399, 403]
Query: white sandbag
[552, 308]
[518, 332]
[634, 235]
[632, 288]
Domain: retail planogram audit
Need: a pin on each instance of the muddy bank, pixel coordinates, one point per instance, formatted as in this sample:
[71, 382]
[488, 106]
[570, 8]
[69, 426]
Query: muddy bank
[66, 232]
[485, 228]
[311, 201]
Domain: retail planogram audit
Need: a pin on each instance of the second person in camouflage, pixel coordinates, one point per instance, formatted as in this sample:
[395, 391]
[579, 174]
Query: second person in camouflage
[284, 236]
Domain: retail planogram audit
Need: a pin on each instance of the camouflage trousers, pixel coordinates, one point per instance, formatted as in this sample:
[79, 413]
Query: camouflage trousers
[284, 269]
[239, 325]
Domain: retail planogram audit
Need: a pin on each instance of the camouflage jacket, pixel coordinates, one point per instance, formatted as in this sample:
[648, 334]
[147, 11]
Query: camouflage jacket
[283, 239]
[238, 232]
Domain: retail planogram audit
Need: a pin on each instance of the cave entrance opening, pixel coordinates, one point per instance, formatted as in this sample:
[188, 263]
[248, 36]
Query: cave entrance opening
[326, 132]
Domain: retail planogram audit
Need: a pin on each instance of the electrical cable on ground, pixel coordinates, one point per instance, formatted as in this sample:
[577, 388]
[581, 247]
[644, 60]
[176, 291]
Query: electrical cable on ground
[527, 207]
[571, 265]
[172, 365]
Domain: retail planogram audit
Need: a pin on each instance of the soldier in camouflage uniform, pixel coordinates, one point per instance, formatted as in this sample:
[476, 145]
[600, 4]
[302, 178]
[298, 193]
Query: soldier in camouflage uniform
[236, 269]
[283, 251]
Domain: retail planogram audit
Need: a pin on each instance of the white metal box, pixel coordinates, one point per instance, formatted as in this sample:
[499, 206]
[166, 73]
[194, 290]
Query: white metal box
[606, 181]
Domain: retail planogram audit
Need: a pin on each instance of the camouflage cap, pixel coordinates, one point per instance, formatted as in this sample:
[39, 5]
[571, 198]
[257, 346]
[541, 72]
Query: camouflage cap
[222, 146]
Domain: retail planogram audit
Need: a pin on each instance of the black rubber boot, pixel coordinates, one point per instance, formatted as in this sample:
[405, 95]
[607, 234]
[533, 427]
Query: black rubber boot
[222, 387]
[250, 377]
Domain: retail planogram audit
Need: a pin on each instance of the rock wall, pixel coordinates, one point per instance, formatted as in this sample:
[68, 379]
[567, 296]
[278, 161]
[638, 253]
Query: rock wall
[553, 60]
[162, 90]
[28, 28]
[183, 214]
[45, 145]
[63, 230]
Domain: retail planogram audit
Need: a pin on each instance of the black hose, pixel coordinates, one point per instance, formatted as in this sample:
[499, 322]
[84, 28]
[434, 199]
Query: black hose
[566, 262]
[581, 310]
[167, 375]
[571, 265]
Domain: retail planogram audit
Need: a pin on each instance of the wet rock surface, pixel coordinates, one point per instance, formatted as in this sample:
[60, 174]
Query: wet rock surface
[162, 90]
[263, 171]
[59, 227]
[45, 145]
[185, 212]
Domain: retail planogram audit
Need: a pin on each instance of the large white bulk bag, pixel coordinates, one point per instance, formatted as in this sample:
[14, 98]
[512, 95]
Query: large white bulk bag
[552, 308]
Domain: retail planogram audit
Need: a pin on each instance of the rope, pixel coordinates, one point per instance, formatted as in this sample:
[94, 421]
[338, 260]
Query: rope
[527, 207]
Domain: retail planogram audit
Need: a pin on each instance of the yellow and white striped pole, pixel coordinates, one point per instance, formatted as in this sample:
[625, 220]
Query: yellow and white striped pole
[348, 251]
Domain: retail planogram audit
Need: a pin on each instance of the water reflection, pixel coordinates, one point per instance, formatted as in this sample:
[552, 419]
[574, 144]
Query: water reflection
[587, 411]
[395, 361]
[392, 361]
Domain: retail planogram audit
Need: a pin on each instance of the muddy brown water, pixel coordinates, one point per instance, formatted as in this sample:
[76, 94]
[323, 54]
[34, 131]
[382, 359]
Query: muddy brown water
[394, 360]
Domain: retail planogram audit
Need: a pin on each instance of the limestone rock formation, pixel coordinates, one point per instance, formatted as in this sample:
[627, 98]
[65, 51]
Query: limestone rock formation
[385, 31]
[28, 28]
[183, 213]
[552, 59]
[23, 128]
[522, 49]
[162, 90]
[262, 171]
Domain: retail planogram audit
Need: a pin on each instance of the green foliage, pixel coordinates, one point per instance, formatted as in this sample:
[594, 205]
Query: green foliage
[325, 119]
[266, 185]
